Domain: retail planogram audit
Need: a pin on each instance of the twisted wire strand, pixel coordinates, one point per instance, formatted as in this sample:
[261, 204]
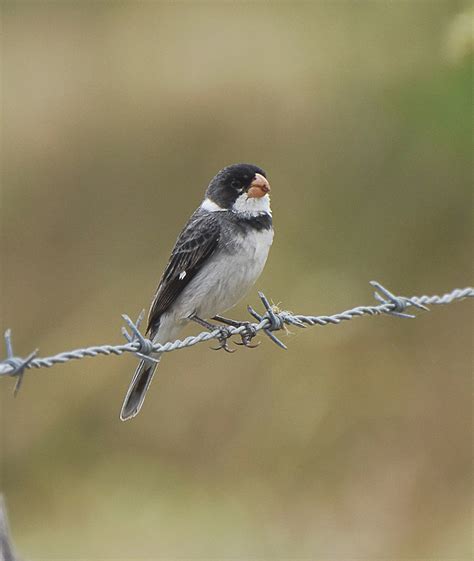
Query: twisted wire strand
[270, 321]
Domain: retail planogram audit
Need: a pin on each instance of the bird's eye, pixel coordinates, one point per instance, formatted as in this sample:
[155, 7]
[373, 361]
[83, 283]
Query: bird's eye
[235, 184]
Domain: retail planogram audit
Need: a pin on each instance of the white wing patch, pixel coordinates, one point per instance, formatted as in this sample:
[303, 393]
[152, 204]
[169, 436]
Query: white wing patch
[182, 275]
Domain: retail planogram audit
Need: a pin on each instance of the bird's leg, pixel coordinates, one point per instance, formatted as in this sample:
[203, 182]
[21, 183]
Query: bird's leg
[224, 333]
[247, 335]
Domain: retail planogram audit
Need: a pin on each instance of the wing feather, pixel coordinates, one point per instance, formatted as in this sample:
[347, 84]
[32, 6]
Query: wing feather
[194, 246]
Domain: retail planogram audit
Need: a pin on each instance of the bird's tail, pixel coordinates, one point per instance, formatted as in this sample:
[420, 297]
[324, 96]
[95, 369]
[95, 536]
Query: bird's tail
[138, 387]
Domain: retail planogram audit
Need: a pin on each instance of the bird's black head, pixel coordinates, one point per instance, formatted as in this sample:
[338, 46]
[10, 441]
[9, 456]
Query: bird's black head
[235, 180]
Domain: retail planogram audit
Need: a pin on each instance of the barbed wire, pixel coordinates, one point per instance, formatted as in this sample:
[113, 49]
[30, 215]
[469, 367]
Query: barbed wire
[270, 321]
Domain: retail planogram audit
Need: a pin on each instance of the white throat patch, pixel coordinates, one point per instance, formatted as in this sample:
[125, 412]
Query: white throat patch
[211, 206]
[252, 206]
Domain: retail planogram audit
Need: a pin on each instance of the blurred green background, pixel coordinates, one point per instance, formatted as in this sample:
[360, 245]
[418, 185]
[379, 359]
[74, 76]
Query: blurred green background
[356, 442]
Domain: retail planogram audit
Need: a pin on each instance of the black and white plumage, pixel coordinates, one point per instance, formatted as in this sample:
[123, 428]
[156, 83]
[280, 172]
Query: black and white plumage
[218, 256]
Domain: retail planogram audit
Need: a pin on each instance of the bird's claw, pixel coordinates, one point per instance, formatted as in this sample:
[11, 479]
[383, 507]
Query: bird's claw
[223, 337]
[247, 335]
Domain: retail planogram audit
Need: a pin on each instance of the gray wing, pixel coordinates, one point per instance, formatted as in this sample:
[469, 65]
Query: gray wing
[194, 246]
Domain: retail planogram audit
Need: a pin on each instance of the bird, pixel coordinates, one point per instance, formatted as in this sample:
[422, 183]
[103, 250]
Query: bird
[216, 259]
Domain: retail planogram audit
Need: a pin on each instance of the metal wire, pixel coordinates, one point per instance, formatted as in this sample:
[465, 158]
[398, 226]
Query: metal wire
[270, 321]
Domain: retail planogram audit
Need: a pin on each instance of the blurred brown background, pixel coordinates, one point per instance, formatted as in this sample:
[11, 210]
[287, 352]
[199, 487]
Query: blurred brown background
[355, 443]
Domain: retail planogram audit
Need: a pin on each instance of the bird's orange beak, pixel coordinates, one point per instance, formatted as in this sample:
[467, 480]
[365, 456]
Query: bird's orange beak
[259, 187]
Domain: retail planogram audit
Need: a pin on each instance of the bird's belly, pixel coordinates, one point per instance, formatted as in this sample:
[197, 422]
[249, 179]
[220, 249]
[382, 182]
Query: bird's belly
[227, 277]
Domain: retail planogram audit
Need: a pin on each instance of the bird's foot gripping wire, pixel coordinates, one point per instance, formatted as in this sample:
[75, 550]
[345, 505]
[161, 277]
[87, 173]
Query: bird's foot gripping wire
[223, 336]
[246, 335]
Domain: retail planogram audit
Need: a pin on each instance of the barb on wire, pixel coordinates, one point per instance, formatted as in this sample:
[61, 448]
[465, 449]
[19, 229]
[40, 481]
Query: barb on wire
[399, 303]
[145, 347]
[16, 364]
[270, 321]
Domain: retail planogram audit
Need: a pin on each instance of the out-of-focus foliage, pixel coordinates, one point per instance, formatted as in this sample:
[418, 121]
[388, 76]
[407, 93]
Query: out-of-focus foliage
[353, 443]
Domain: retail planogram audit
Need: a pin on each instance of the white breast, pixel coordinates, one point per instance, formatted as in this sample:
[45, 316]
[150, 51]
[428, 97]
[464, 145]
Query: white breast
[227, 277]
